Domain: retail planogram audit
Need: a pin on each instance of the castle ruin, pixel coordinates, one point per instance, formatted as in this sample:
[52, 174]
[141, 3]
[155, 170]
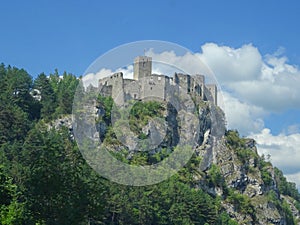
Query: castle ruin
[145, 85]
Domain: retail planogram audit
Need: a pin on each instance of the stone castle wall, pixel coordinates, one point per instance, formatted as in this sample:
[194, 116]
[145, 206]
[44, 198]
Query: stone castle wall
[142, 67]
[132, 89]
[146, 85]
[155, 86]
[212, 93]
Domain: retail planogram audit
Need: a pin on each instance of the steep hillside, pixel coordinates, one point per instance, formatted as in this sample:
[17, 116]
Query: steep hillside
[228, 167]
[45, 179]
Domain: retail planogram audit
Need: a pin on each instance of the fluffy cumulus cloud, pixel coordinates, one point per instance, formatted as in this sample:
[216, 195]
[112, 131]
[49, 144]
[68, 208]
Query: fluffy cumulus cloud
[294, 177]
[242, 116]
[284, 150]
[169, 62]
[93, 78]
[265, 81]
[232, 65]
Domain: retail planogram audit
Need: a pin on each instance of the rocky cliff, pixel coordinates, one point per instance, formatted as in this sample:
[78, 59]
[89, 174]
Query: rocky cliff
[250, 189]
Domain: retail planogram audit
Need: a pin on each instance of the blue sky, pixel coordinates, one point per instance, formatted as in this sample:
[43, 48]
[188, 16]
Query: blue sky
[41, 36]
[69, 35]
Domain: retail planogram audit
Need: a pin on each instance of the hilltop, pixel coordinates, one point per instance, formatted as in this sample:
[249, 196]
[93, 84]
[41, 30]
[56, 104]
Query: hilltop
[45, 179]
[249, 189]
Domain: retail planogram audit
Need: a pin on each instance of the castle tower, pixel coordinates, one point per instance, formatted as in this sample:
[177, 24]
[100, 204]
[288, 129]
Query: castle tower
[142, 67]
[212, 88]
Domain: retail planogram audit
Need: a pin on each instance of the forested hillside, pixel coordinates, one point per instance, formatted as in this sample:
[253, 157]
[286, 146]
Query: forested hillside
[45, 180]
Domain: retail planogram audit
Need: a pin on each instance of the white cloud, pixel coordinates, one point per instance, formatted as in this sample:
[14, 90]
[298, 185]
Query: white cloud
[168, 63]
[284, 150]
[127, 71]
[293, 129]
[295, 178]
[232, 65]
[93, 78]
[268, 82]
[242, 116]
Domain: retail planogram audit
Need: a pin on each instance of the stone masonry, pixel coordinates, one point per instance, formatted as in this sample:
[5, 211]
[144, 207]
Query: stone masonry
[154, 86]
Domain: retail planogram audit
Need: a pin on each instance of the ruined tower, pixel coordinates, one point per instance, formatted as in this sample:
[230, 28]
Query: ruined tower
[212, 88]
[142, 67]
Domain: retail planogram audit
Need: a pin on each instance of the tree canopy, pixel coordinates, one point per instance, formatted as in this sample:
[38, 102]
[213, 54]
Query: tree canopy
[45, 180]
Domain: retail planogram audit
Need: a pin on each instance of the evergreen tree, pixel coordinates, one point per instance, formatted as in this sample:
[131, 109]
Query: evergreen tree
[48, 98]
[11, 210]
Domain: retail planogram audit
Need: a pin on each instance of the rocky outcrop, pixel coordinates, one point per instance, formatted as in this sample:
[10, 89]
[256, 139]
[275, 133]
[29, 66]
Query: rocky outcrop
[239, 217]
[240, 165]
[291, 202]
[65, 121]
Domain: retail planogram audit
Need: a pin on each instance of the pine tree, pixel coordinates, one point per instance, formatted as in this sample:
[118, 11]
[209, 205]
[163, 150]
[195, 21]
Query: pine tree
[48, 98]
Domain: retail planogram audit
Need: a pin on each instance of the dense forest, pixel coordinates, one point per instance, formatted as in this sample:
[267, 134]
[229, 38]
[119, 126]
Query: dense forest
[45, 180]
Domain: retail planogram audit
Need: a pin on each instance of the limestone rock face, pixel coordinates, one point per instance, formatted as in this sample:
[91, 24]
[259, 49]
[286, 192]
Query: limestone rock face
[240, 218]
[65, 121]
[204, 128]
[291, 203]
[155, 130]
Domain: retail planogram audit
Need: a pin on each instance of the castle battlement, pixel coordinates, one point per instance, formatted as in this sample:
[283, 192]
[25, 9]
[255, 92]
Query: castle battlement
[145, 84]
[142, 59]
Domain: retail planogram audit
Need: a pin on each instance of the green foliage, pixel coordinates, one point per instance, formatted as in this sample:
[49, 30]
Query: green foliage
[64, 89]
[15, 86]
[52, 177]
[170, 202]
[242, 203]
[141, 112]
[281, 205]
[111, 138]
[224, 218]
[285, 187]
[14, 123]
[266, 177]
[233, 139]
[238, 145]
[215, 176]
[297, 205]
[144, 110]
[48, 97]
[106, 103]
[288, 213]
[272, 197]
[45, 180]
[264, 168]
[11, 210]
